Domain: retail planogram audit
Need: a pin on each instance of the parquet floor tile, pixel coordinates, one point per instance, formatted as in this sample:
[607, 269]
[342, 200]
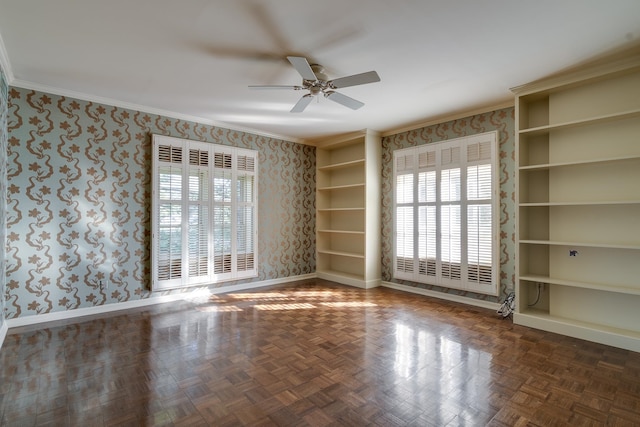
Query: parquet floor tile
[311, 353]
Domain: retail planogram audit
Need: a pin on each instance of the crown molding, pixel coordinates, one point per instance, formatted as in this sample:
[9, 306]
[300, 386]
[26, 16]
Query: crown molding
[450, 117]
[327, 141]
[12, 81]
[624, 59]
[4, 63]
[143, 108]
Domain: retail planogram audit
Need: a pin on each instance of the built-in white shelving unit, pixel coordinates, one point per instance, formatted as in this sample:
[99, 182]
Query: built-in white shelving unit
[578, 192]
[348, 202]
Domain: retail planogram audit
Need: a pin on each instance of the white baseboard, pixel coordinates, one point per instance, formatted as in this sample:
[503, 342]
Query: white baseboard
[199, 292]
[629, 340]
[348, 280]
[187, 294]
[442, 295]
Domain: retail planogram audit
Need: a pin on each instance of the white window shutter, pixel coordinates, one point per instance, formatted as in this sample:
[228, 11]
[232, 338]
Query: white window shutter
[204, 213]
[222, 229]
[427, 229]
[168, 242]
[404, 259]
[246, 219]
[198, 220]
[446, 213]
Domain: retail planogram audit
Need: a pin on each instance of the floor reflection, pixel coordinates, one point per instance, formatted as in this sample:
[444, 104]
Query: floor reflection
[311, 353]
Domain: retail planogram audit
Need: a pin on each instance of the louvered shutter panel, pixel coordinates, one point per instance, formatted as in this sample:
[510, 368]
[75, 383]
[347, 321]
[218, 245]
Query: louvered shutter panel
[479, 219]
[450, 219]
[245, 214]
[427, 221]
[404, 262]
[222, 214]
[168, 213]
[198, 216]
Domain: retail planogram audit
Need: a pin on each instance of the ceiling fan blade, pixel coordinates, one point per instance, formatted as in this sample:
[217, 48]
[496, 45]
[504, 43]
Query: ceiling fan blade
[354, 80]
[259, 87]
[302, 103]
[302, 66]
[354, 104]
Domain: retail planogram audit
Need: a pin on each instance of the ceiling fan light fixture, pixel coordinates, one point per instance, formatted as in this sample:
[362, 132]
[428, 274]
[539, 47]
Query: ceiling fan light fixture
[316, 81]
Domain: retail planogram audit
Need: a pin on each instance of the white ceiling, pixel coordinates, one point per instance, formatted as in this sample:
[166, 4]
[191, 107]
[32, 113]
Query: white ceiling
[194, 59]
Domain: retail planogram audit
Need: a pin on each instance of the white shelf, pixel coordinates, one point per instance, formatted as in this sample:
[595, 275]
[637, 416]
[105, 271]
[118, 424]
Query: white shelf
[578, 163]
[580, 244]
[352, 163]
[541, 130]
[341, 209]
[583, 285]
[578, 182]
[341, 253]
[585, 203]
[341, 232]
[348, 199]
[342, 187]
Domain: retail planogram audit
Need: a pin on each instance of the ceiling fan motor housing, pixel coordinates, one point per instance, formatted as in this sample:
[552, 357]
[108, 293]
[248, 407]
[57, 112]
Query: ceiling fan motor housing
[318, 70]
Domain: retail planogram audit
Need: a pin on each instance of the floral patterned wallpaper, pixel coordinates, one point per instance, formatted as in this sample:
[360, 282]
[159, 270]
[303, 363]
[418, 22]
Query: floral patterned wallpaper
[78, 199]
[4, 99]
[78, 204]
[501, 120]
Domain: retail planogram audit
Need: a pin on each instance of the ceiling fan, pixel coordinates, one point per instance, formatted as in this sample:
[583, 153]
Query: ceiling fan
[316, 81]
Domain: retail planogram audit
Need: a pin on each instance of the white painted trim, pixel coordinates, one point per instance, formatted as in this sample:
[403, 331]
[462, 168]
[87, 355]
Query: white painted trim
[620, 59]
[11, 80]
[3, 333]
[412, 169]
[5, 64]
[442, 295]
[349, 281]
[628, 340]
[142, 108]
[184, 295]
[450, 117]
[162, 280]
[89, 311]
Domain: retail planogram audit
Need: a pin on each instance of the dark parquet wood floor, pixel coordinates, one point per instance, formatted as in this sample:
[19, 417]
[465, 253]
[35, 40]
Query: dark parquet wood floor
[312, 353]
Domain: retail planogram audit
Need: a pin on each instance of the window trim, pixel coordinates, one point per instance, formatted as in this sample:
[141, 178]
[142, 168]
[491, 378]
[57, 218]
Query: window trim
[241, 162]
[406, 162]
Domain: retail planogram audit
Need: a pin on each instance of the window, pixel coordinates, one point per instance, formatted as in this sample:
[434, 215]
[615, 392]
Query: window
[204, 213]
[446, 211]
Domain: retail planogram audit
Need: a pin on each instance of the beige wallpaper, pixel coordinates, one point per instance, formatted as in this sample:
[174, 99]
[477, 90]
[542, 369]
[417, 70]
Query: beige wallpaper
[79, 200]
[78, 182]
[4, 100]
